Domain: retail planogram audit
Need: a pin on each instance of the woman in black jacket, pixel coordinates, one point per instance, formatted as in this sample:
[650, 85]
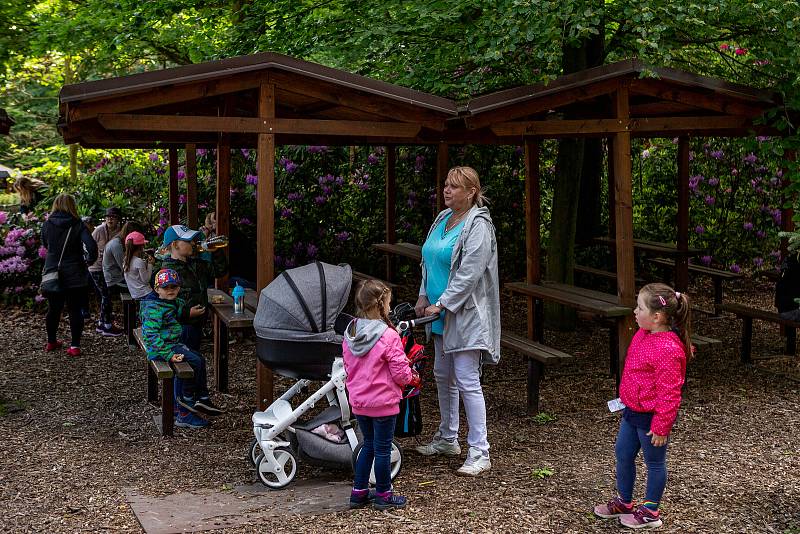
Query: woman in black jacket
[65, 230]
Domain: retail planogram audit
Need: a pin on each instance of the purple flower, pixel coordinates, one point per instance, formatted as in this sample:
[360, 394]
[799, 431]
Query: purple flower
[181, 174]
[735, 268]
[761, 234]
[290, 262]
[244, 221]
[419, 163]
[19, 289]
[342, 236]
[762, 138]
[38, 299]
[317, 149]
[694, 182]
[181, 199]
[319, 200]
[153, 156]
[327, 190]
[290, 167]
[710, 200]
[162, 211]
[42, 252]
[202, 152]
[339, 181]
[758, 261]
[748, 226]
[645, 153]
[328, 178]
[412, 199]
[286, 213]
[3, 217]
[311, 251]
[713, 182]
[372, 159]
[706, 260]
[293, 197]
[162, 221]
[518, 151]
[717, 154]
[251, 179]
[750, 158]
[734, 171]
[699, 229]
[245, 153]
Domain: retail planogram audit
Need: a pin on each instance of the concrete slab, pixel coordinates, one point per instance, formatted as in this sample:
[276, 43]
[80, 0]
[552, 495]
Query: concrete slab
[242, 505]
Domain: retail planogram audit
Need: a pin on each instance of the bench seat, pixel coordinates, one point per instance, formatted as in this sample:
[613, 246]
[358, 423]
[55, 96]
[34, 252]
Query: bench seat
[717, 275]
[600, 273]
[539, 356]
[360, 277]
[747, 314]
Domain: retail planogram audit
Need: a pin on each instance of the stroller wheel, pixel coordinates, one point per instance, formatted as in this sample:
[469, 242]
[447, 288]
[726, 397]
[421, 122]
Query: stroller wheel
[395, 461]
[280, 473]
[254, 453]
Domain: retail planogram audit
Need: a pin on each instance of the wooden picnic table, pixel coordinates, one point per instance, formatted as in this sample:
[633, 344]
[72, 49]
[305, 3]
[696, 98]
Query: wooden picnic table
[602, 305]
[407, 250]
[225, 320]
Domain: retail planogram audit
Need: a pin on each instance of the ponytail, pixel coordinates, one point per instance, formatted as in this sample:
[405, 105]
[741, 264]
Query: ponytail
[130, 251]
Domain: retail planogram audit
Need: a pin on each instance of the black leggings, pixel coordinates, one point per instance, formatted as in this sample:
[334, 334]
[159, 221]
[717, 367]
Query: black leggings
[75, 299]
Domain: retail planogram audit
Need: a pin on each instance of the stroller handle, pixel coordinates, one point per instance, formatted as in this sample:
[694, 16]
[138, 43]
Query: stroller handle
[405, 325]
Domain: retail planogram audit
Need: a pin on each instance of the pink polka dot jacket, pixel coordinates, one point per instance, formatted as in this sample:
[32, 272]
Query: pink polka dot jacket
[655, 369]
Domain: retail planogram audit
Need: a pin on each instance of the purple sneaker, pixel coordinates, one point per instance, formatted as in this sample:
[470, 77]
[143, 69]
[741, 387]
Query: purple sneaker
[388, 500]
[613, 508]
[642, 517]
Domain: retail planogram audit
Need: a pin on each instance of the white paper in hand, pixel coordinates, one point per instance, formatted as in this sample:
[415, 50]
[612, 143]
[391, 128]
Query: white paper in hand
[615, 405]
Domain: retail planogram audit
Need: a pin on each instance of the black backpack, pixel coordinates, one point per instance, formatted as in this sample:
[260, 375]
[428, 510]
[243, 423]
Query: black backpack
[787, 289]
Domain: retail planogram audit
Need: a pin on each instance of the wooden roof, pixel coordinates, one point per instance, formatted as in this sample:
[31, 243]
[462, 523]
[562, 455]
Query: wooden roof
[315, 104]
[5, 122]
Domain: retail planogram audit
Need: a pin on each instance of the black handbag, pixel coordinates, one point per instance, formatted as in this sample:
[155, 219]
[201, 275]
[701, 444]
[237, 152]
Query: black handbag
[51, 282]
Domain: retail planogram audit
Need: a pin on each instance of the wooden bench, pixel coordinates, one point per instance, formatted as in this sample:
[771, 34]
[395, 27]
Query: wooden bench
[747, 314]
[406, 250]
[600, 273]
[163, 372]
[130, 316]
[717, 275]
[360, 277]
[701, 342]
[539, 356]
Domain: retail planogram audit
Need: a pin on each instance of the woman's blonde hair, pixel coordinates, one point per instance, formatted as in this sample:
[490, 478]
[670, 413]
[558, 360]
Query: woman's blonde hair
[372, 295]
[66, 203]
[27, 188]
[467, 177]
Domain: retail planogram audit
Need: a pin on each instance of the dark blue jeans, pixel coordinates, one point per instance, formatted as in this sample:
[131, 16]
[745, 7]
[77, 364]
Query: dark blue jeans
[378, 433]
[100, 287]
[197, 388]
[629, 440]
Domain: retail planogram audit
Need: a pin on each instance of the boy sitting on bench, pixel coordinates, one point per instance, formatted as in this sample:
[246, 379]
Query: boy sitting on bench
[161, 333]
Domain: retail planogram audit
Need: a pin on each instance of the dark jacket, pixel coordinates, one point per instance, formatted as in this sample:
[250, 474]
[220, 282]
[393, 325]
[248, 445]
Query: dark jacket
[80, 249]
[197, 274]
[788, 286]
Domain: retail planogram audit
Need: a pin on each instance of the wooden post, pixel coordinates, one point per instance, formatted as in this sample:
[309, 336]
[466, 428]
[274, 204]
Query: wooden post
[223, 210]
[174, 215]
[191, 186]
[533, 200]
[626, 288]
[787, 214]
[612, 214]
[682, 260]
[265, 225]
[442, 162]
[391, 205]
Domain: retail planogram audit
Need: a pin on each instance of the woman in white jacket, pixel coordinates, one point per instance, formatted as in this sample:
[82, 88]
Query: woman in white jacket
[459, 275]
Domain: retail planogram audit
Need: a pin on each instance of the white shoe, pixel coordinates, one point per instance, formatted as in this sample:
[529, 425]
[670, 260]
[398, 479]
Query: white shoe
[475, 464]
[440, 446]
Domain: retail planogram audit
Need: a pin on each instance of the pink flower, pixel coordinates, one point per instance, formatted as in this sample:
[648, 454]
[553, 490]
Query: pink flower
[3, 217]
[38, 299]
[740, 51]
[724, 47]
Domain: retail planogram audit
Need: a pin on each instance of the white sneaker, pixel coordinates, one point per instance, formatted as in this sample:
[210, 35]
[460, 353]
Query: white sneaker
[475, 464]
[440, 446]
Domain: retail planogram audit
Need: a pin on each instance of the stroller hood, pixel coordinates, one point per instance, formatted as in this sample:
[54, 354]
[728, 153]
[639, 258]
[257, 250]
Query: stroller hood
[302, 304]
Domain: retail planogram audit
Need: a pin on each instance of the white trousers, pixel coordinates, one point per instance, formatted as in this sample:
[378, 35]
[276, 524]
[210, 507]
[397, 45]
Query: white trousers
[458, 375]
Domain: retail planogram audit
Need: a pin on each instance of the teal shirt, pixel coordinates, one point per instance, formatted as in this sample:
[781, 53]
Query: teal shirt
[436, 253]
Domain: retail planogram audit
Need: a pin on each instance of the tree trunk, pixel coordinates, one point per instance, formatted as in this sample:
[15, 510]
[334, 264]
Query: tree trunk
[73, 148]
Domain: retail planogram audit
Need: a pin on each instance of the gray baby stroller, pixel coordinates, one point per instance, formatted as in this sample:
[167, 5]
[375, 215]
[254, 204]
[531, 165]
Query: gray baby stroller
[299, 326]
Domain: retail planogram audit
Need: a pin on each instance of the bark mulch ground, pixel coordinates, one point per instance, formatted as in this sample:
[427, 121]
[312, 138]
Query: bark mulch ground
[77, 432]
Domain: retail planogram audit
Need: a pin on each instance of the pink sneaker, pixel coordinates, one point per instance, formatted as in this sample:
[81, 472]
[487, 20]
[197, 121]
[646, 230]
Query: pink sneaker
[613, 508]
[74, 351]
[50, 347]
[642, 517]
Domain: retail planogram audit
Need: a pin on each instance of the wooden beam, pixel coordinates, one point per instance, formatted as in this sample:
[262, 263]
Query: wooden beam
[713, 101]
[612, 212]
[576, 128]
[223, 208]
[265, 220]
[270, 125]
[174, 214]
[682, 260]
[391, 205]
[540, 104]
[191, 186]
[787, 214]
[533, 202]
[442, 167]
[626, 284]
[160, 96]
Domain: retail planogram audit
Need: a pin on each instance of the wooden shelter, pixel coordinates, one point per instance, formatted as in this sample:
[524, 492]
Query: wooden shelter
[5, 122]
[268, 99]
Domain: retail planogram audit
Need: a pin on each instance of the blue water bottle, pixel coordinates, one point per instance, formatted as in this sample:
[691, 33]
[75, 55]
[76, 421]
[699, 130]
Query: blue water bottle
[238, 299]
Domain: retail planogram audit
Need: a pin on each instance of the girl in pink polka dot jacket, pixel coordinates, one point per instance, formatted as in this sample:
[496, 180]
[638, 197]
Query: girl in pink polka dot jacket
[650, 389]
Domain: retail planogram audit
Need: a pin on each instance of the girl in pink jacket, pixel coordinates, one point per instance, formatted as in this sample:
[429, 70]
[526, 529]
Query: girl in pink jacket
[650, 389]
[377, 369]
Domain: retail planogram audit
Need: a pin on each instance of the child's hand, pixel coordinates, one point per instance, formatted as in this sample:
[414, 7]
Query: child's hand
[197, 310]
[656, 440]
[177, 357]
[416, 381]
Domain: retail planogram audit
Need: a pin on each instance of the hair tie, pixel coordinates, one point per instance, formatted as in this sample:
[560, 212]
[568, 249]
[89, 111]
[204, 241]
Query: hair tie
[677, 294]
[662, 301]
